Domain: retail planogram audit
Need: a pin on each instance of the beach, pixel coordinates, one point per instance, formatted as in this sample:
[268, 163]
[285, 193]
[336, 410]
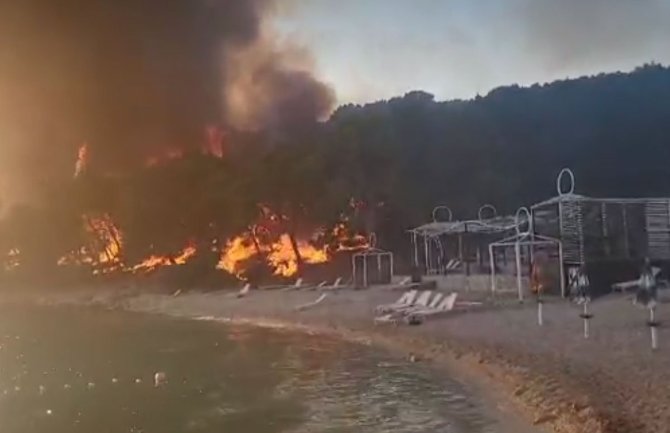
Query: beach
[550, 375]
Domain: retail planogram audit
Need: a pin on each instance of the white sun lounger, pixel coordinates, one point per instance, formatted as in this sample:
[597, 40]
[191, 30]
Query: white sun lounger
[312, 304]
[296, 286]
[452, 265]
[405, 300]
[337, 284]
[422, 301]
[626, 285]
[244, 291]
[418, 306]
[445, 306]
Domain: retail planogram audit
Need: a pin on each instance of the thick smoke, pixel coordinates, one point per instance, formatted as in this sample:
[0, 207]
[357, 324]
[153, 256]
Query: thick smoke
[137, 78]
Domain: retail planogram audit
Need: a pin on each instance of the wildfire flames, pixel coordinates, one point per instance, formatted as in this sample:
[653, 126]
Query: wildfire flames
[154, 262]
[280, 255]
[265, 241]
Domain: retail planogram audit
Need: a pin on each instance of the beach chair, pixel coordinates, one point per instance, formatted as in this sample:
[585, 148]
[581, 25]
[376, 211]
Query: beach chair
[296, 286]
[404, 284]
[313, 303]
[396, 314]
[422, 301]
[418, 306]
[452, 265]
[244, 291]
[337, 284]
[627, 285]
[444, 307]
[405, 300]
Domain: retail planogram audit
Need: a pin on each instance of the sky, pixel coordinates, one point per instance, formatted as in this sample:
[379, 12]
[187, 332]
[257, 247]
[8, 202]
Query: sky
[376, 49]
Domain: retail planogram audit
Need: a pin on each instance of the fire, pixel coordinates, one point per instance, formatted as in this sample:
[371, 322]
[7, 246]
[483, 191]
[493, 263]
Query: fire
[282, 257]
[279, 255]
[347, 241]
[105, 246]
[153, 262]
[236, 252]
[82, 160]
[108, 238]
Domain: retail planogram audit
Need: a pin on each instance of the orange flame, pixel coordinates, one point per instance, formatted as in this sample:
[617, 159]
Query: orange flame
[104, 249]
[347, 241]
[282, 257]
[82, 160]
[153, 262]
[236, 252]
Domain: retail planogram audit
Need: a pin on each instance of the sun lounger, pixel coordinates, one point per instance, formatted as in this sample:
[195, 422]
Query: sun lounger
[312, 304]
[626, 285]
[452, 265]
[296, 286]
[337, 285]
[405, 300]
[445, 306]
[393, 318]
[421, 305]
[244, 291]
[422, 301]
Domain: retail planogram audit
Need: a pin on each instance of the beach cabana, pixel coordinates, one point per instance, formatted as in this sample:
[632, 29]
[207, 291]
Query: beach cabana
[607, 235]
[525, 245]
[440, 247]
[372, 266]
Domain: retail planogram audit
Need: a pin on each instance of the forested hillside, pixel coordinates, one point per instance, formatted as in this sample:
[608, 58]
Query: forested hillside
[380, 167]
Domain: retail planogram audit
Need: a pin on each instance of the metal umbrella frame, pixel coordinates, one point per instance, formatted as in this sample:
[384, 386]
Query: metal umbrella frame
[524, 238]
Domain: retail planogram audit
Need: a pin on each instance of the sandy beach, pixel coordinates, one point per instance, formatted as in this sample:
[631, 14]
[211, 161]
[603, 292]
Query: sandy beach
[550, 375]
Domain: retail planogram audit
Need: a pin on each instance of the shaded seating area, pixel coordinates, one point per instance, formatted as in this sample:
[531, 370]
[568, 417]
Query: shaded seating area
[444, 247]
[610, 236]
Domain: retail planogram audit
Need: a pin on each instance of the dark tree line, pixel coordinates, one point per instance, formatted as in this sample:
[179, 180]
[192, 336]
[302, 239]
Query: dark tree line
[382, 166]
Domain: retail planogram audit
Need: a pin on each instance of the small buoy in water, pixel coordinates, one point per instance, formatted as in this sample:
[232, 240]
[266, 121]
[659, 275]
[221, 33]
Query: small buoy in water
[90, 385]
[138, 380]
[115, 380]
[49, 412]
[160, 378]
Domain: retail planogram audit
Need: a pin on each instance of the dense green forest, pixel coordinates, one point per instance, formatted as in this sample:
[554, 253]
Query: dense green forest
[380, 167]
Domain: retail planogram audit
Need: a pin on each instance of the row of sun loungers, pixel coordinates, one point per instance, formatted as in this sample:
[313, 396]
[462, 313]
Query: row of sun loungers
[414, 306]
[298, 285]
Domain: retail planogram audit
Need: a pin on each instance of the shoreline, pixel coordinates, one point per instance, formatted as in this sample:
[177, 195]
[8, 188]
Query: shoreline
[535, 387]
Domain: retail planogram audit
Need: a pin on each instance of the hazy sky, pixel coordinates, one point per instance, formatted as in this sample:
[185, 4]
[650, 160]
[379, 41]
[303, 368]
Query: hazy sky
[373, 49]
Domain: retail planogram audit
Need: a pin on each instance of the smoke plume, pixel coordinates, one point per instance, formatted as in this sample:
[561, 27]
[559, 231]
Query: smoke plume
[137, 78]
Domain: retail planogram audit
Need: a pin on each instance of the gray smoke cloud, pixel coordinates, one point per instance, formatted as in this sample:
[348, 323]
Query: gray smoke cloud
[137, 78]
[569, 35]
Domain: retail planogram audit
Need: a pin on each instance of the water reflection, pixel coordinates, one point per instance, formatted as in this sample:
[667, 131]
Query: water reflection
[88, 371]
